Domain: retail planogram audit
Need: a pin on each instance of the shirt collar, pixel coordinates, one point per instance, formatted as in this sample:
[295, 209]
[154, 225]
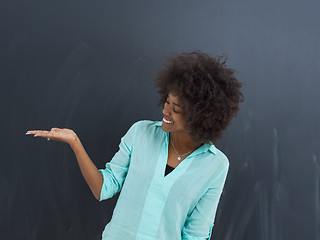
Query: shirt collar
[158, 123]
[207, 146]
[212, 148]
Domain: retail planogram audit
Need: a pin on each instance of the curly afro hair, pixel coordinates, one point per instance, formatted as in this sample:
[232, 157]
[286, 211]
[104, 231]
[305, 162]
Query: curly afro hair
[207, 88]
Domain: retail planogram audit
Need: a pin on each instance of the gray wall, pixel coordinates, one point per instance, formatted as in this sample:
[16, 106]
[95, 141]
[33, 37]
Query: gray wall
[90, 66]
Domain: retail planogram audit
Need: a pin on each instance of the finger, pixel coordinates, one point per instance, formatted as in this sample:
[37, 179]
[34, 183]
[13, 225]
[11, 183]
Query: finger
[43, 134]
[34, 132]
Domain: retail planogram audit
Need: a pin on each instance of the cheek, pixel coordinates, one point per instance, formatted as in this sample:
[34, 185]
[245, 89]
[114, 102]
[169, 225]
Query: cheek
[179, 120]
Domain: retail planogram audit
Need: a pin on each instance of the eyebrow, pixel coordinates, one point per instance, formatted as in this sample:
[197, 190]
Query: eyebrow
[176, 104]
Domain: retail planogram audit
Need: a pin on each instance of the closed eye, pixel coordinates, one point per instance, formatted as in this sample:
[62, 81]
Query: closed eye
[173, 108]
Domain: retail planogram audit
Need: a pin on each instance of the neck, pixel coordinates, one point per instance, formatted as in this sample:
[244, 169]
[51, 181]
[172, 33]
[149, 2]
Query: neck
[183, 142]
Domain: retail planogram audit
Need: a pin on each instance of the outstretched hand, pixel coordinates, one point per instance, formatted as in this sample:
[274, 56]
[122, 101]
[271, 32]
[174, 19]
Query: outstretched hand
[56, 134]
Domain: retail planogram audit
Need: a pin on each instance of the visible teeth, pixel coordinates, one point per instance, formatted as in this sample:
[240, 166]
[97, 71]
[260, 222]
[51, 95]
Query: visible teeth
[166, 121]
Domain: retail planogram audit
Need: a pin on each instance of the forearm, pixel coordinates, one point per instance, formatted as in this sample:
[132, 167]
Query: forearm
[89, 171]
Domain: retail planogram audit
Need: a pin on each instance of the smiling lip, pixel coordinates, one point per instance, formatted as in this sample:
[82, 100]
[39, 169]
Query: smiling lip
[166, 120]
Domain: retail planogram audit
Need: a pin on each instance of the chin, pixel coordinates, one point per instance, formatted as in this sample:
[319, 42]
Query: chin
[164, 129]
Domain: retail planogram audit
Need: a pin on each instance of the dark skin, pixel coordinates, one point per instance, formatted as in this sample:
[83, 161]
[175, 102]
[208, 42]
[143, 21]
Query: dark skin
[173, 111]
[180, 137]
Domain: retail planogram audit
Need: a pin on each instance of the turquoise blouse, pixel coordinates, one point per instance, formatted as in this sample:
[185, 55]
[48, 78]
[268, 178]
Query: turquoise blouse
[151, 206]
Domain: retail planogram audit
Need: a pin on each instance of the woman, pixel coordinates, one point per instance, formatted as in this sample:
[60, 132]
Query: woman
[169, 172]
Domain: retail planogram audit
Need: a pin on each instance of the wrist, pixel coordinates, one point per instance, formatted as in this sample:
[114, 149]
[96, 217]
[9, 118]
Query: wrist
[75, 141]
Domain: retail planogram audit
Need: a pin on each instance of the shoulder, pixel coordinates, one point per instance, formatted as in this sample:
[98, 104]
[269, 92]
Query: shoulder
[219, 167]
[141, 126]
[147, 132]
[147, 124]
[222, 157]
[220, 161]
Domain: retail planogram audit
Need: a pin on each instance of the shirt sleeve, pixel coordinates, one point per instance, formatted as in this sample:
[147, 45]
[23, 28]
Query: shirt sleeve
[116, 170]
[199, 224]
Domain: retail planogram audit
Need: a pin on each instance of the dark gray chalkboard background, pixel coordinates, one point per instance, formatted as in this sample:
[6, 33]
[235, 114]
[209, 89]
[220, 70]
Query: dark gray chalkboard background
[90, 66]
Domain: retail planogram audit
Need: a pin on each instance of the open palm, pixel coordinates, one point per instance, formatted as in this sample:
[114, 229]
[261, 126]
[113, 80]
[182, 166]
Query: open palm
[57, 134]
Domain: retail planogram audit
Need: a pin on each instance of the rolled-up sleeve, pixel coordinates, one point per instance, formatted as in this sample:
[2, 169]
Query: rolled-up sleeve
[198, 226]
[116, 170]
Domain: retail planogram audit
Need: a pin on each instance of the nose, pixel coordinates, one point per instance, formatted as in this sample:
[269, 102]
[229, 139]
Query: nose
[165, 110]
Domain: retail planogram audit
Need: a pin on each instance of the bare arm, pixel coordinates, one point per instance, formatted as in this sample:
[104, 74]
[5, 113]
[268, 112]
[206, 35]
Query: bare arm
[89, 171]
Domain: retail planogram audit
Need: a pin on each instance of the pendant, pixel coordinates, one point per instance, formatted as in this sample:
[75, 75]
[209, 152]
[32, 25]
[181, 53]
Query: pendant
[179, 158]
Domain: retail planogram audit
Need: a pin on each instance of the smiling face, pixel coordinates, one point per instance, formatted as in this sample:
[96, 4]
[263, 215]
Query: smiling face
[173, 119]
